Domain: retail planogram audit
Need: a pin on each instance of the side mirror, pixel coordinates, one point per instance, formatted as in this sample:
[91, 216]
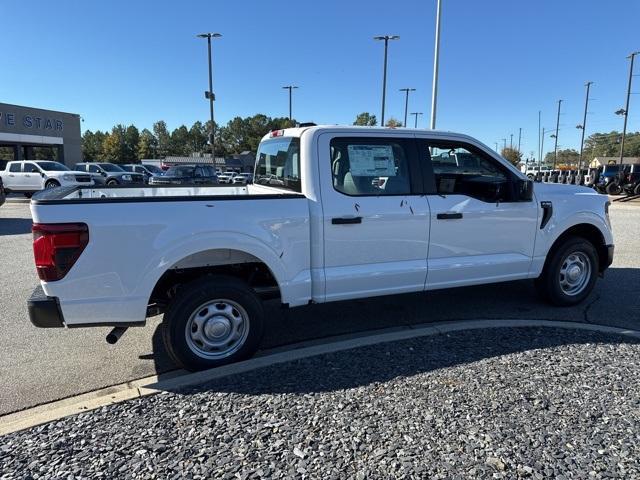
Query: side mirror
[524, 190]
[42, 174]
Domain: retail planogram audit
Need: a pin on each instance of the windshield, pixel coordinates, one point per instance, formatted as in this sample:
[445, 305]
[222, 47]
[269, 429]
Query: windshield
[153, 169]
[180, 171]
[110, 167]
[278, 163]
[52, 167]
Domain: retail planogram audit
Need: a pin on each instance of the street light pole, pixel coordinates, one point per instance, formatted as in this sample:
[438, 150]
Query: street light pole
[539, 147]
[209, 94]
[626, 108]
[386, 39]
[511, 142]
[504, 144]
[290, 88]
[436, 58]
[519, 138]
[406, 102]
[415, 115]
[583, 127]
[542, 148]
[555, 148]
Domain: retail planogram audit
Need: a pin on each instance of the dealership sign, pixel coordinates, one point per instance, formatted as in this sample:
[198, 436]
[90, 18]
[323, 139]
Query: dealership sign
[30, 121]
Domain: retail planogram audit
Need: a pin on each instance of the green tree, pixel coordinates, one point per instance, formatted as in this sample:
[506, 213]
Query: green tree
[365, 119]
[131, 139]
[568, 157]
[112, 146]
[197, 137]
[163, 138]
[92, 145]
[179, 142]
[512, 154]
[146, 142]
[393, 123]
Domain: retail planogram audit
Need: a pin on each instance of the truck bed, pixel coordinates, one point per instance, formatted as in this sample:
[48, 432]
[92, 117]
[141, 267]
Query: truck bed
[141, 193]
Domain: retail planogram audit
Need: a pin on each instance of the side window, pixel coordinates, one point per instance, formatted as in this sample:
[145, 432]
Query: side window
[15, 167]
[464, 170]
[369, 166]
[94, 169]
[31, 168]
[198, 172]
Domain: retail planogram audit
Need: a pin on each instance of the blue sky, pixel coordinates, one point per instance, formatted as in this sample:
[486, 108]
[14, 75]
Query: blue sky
[501, 61]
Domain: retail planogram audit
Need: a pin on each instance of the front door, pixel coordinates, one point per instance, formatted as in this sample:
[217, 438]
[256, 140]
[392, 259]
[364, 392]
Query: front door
[375, 222]
[32, 177]
[480, 232]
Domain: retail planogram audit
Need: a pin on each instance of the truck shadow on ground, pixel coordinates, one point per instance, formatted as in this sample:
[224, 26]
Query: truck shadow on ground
[15, 226]
[615, 301]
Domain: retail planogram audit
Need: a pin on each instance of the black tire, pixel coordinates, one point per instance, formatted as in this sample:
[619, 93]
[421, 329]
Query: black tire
[190, 302]
[112, 182]
[613, 188]
[51, 184]
[28, 194]
[636, 190]
[548, 283]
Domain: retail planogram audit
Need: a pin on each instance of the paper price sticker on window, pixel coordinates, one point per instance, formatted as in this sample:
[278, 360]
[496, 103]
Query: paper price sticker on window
[371, 161]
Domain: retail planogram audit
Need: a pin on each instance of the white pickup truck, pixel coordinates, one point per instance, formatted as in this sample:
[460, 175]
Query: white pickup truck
[31, 176]
[335, 213]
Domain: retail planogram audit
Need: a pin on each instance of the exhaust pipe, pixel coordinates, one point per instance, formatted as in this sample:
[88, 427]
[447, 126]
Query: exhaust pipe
[114, 335]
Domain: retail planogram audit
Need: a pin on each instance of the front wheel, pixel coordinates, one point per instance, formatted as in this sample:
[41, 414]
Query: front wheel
[213, 321]
[636, 190]
[51, 184]
[112, 183]
[570, 273]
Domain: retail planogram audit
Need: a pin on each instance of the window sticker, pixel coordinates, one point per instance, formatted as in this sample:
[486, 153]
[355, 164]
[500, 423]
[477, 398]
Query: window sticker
[371, 161]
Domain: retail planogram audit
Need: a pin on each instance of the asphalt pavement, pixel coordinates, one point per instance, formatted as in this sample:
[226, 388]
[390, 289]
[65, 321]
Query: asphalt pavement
[38, 365]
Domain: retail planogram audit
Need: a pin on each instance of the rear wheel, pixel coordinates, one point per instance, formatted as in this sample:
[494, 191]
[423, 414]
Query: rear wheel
[636, 190]
[213, 321]
[613, 188]
[570, 273]
[112, 182]
[51, 184]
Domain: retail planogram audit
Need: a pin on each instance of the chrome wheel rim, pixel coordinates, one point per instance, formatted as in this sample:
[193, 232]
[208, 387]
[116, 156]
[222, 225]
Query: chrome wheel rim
[575, 273]
[50, 185]
[217, 329]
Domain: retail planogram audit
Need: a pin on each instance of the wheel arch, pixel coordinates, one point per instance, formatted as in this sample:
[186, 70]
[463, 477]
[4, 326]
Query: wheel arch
[589, 232]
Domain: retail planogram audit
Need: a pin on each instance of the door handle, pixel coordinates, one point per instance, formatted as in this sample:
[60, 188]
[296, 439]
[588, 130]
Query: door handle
[448, 216]
[346, 220]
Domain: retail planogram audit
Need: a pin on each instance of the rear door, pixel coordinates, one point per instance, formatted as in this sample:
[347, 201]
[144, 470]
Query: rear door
[480, 232]
[376, 222]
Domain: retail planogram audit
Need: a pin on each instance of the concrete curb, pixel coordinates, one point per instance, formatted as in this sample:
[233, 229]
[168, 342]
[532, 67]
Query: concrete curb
[181, 379]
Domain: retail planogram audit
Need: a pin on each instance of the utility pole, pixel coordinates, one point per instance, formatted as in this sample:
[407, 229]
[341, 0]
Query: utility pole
[539, 147]
[290, 88]
[504, 143]
[406, 102]
[496, 144]
[415, 114]
[555, 148]
[519, 138]
[583, 127]
[209, 94]
[626, 108]
[511, 142]
[386, 39]
[436, 57]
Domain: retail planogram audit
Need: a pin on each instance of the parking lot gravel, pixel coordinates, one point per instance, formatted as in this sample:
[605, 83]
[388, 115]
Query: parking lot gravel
[498, 403]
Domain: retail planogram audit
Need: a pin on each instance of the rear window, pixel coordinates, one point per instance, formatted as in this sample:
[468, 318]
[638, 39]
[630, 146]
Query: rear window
[278, 163]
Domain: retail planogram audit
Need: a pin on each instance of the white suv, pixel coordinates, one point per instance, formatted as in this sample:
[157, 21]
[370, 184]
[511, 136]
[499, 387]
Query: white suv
[32, 176]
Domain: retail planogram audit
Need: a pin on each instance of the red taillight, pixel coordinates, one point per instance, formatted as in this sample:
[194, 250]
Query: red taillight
[56, 247]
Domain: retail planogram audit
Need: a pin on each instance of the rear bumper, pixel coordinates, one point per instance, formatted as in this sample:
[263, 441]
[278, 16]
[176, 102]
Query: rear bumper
[44, 312]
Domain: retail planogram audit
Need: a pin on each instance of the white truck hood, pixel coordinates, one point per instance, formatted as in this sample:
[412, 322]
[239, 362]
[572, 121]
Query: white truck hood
[544, 190]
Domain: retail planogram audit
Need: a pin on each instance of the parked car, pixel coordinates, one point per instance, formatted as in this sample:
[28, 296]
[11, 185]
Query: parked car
[2, 194]
[592, 177]
[227, 177]
[207, 256]
[31, 176]
[109, 173]
[147, 171]
[199, 174]
[608, 181]
[242, 179]
[631, 184]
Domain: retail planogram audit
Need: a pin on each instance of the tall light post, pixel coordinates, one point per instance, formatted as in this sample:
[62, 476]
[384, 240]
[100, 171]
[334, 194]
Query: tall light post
[539, 146]
[415, 115]
[406, 102]
[519, 138]
[209, 94]
[290, 88]
[555, 148]
[583, 127]
[496, 144]
[436, 59]
[542, 148]
[511, 142]
[386, 39]
[504, 144]
[625, 111]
